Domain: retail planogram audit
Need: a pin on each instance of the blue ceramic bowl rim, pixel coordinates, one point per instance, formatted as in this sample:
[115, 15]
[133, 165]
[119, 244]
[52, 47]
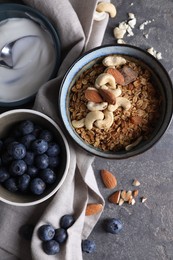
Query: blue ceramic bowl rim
[24, 9]
[121, 49]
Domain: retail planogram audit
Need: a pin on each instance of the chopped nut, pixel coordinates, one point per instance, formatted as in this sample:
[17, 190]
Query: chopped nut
[143, 199]
[132, 201]
[121, 202]
[136, 183]
[135, 193]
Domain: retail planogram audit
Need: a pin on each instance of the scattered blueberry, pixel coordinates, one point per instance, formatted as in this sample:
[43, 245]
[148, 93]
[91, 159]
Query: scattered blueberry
[11, 184]
[66, 221]
[4, 175]
[60, 235]
[18, 167]
[42, 161]
[23, 182]
[37, 186]
[26, 231]
[113, 225]
[26, 127]
[53, 149]
[48, 176]
[88, 246]
[46, 232]
[51, 247]
[39, 146]
[46, 135]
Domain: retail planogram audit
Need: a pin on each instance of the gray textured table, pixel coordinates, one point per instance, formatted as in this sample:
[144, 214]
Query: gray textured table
[147, 232]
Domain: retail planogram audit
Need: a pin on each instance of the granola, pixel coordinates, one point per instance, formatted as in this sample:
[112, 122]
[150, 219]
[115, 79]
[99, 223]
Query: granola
[128, 125]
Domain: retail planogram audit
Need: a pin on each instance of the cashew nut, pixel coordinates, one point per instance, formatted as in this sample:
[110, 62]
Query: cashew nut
[106, 122]
[113, 60]
[116, 92]
[78, 123]
[105, 78]
[120, 102]
[119, 33]
[107, 7]
[92, 117]
[132, 145]
[92, 106]
[99, 16]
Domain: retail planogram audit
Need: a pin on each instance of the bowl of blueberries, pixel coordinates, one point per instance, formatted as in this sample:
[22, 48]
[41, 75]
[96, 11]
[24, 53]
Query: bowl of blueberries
[34, 157]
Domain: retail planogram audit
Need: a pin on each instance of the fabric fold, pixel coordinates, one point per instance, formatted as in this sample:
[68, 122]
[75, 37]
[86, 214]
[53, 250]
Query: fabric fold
[78, 32]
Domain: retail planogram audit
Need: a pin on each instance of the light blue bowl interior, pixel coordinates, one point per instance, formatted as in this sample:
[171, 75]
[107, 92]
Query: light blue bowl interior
[159, 76]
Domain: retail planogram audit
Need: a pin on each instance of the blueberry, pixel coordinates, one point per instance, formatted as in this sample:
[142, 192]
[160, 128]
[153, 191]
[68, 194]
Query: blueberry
[60, 235]
[18, 167]
[88, 246]
[53, 149]
[11, 184]
[66, 221]
[27, 140]
[46, 135]
[26, 231]
[39, 146]
[29, 158]
[32, 171]
[37, 186]
[51, 247]
[48, 176]
[26, 127]
[4, 174]
[9, 140]
[46, 232]
[16, 150]
[23, 182]
[113, 225]
[42, 161]
[54, 161]
[6, 158]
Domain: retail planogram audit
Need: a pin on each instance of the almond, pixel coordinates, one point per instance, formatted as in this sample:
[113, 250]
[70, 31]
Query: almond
[92, 209]
[115, 197]
[93, 95]
[107, 96]
[119, 78]
[108, 179]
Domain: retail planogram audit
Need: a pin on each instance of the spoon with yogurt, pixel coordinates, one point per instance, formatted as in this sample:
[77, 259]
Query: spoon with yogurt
[6, 57]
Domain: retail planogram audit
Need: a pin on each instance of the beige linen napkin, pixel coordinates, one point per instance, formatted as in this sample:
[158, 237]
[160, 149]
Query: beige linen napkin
[78, 33]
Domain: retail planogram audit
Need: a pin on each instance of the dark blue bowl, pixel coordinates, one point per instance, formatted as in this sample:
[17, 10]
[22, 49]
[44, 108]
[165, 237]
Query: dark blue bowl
[159, 75]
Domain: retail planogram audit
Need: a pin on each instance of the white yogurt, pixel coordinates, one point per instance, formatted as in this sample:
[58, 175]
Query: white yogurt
[33, 58]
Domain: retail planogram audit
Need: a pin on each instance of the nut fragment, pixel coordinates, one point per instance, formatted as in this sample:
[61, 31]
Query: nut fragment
[136, 183]
[115, 197]
[143, 199]
[132, 201]
[126, 195]
[135, 193]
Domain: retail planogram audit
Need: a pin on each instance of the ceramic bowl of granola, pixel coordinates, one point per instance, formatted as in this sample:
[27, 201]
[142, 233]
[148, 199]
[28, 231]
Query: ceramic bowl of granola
[116, 101]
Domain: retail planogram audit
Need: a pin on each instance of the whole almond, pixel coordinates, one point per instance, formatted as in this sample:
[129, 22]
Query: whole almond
[108, 179]
[93, 95]
[93, 209]
[115, 197]
[119, 78]
[107, 96]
